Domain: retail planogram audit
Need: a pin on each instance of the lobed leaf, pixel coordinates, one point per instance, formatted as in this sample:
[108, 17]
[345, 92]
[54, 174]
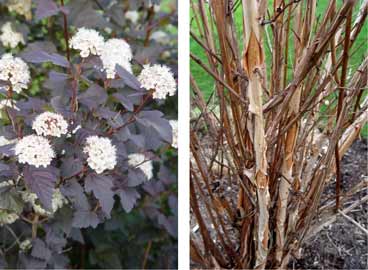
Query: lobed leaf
[101, 186]
[42, 182]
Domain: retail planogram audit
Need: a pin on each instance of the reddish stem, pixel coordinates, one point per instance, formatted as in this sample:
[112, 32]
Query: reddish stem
[66, 33]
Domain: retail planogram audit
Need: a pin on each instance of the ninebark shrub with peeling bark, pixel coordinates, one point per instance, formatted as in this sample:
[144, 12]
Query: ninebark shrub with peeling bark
[281, 128]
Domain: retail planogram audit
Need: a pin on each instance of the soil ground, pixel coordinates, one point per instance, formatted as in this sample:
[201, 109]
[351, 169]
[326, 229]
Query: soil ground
[341, 245]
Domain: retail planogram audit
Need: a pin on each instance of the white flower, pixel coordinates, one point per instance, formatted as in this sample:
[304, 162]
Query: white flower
[34, 150]
[58, 200]
[132, 15]
[139, 161]
[8, 103]
[22, 7]
[101, 153]
[25, 245]
[7, 183]
[14, 70]
[174, 126]
[50, 124]
[116, 51]
[160, 37]
[9, 37]
[88, 41]
[5, 141]
[158, 78]
[7, 217]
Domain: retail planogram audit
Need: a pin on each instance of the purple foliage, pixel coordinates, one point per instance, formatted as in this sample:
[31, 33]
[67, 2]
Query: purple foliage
[85, 187]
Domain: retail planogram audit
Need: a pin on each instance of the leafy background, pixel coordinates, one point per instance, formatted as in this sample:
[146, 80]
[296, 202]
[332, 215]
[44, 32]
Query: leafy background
[142, 230]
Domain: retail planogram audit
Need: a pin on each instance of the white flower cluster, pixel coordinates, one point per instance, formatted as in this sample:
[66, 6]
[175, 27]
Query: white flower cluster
[174, 126]
[158, 78]
[58, 200]
[7, 217]
[139, 161]
[22, 7]
[88, 41]
[112, 52]
[34, 150]
[9, 37]
[14, 70]
[132, 15]
[116, 51]
[101, 153]
[50, 124]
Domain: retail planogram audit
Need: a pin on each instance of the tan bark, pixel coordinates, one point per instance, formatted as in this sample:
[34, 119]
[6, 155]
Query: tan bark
[253, 64]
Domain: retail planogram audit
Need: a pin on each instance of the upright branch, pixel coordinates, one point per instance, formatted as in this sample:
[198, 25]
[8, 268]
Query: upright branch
[277, 139]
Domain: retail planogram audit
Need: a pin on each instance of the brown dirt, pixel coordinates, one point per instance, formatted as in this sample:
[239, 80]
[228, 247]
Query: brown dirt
[341, 245]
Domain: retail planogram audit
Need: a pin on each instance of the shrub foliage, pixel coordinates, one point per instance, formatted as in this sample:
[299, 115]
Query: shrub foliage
[87, 164]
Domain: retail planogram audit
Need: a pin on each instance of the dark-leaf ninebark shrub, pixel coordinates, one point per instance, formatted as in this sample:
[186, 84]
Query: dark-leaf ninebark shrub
[288, 105]
[88, 134]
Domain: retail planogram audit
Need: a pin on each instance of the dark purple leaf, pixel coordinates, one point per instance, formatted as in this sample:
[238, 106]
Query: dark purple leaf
[77, 235]
[41, 53]
[59, 261]
[83, 133]
[94, 96]
[58, 76]
[85, 219]
[31, 104]
[4, 167]
[150, 53]
[55, 238]
[46, 46]
[128, 78]
[135, 177]
[82, 14]
[154, 188]
[28, 262]
[152, 138]
[45, 8]
[101, 186]
[10, 171]
[42, 182]
[166, 176]
[60, 105]
[138, 140]
[75, 193]
[7, 150]
[128, 198]
[39, 250]
[124, 101]
[173, 203]
[123, 134]
[154, 119]
[169, 223]
[71, 167]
